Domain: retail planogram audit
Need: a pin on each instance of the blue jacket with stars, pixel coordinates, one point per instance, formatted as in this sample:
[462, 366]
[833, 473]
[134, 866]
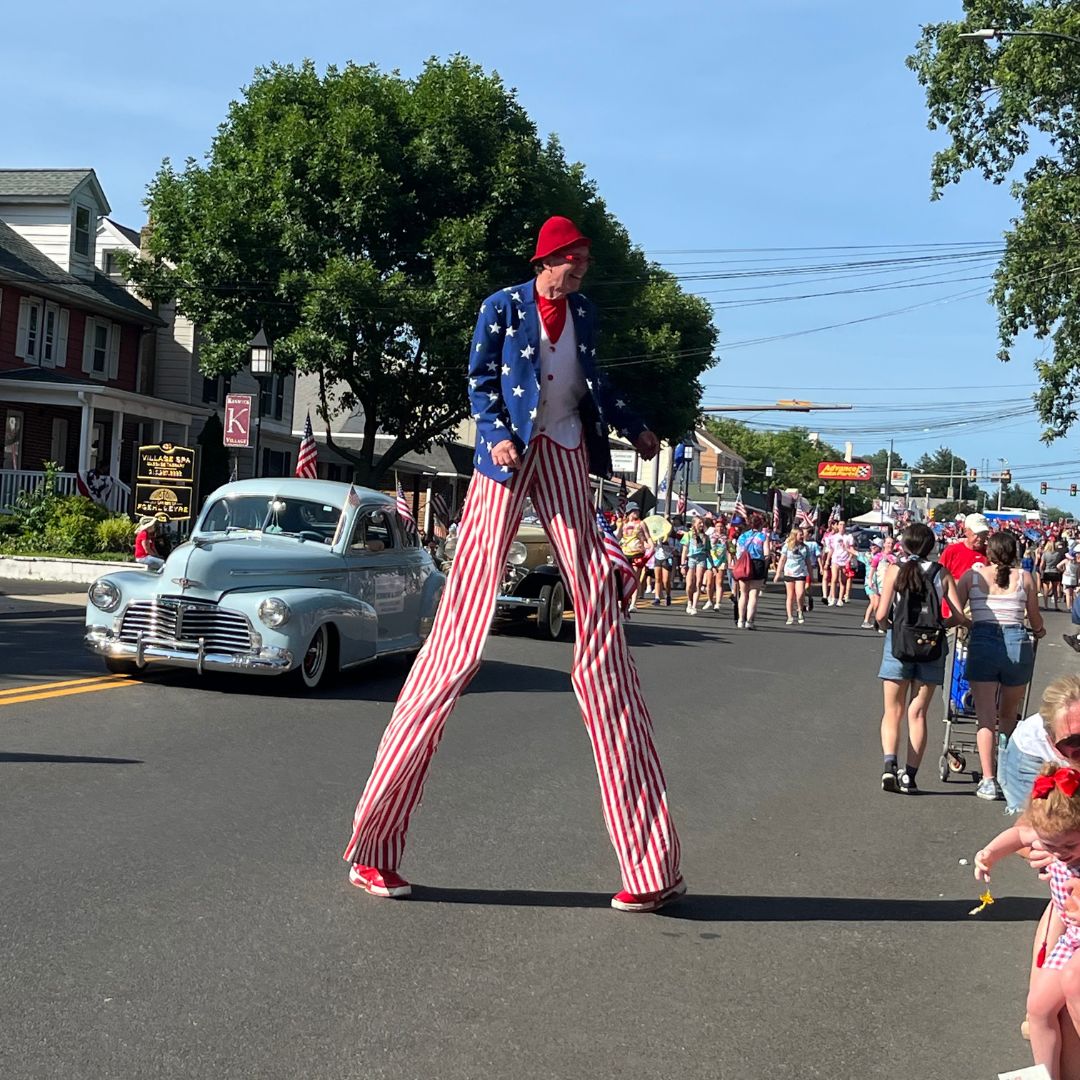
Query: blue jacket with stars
[504, 380]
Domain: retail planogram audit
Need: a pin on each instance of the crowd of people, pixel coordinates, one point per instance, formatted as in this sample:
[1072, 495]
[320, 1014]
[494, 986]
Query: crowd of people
[989, 583]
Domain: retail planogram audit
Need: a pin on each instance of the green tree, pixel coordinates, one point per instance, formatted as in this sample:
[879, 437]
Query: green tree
[360, 217]
[997, 103]
[941, 464]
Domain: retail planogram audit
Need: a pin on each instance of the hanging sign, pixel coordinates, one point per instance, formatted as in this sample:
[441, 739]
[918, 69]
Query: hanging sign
[237, 426]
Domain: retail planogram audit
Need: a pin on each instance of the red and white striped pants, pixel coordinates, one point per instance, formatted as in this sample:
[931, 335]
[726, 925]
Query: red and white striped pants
[632, 783]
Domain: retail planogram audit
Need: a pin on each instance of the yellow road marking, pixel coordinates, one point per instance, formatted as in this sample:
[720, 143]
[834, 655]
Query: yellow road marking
[34, 687]
[117, 683]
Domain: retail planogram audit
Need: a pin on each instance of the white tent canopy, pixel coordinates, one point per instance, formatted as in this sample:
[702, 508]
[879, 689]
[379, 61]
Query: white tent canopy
[873, 517]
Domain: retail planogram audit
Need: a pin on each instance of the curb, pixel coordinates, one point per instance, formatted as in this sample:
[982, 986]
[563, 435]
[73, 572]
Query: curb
[43, 568]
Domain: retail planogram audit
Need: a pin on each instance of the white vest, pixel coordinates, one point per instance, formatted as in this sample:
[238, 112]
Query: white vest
[562, 386]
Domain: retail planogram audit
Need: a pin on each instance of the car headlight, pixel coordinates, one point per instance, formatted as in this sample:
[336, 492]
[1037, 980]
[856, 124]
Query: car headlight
[104, 595]
[517, 554]
[274, 612]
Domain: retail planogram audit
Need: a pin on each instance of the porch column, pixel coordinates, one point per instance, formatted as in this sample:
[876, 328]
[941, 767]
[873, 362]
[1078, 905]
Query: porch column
[116, 443]
[159, 431]
[86, 419]
[428, 518]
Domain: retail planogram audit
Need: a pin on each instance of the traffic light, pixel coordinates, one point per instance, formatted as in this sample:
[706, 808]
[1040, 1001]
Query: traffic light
[973, 475]
[1006, 476]
[1072, 489]
[1042, 488]
[931, 513]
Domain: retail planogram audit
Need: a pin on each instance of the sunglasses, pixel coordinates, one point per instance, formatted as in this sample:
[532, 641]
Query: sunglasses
[1068, 746]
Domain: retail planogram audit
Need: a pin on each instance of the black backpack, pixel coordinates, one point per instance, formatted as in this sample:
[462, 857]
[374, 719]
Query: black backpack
[918, 630]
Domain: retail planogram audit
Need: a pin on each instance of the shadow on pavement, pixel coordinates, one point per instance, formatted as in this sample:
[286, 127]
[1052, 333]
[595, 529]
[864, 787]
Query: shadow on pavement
[67, 759]
[717, 908]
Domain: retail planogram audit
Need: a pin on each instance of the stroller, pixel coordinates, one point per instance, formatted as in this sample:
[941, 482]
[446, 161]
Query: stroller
[961, 723]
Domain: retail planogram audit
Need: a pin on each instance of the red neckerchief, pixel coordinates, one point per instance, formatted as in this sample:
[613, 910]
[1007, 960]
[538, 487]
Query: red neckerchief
[553, 316]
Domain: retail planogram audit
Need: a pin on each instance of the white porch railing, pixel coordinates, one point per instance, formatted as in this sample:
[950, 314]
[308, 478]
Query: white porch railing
[12, 481]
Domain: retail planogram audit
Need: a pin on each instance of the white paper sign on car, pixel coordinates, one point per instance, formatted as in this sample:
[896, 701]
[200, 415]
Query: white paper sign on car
[389, 594]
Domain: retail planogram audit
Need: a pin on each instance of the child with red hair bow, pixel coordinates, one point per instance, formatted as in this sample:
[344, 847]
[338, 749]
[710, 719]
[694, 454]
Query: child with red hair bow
[1052, 819]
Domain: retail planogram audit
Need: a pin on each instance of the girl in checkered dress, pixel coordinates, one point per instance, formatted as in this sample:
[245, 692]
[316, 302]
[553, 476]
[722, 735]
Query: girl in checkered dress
[1053, 819]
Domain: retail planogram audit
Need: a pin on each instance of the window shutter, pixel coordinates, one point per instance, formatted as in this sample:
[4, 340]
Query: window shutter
[24, 326]
[88, 346]
[60, 351]
[114, 350]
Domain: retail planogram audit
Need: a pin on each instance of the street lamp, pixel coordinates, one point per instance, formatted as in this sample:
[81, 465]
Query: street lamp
[768, 468]
[994, 32]
[262, 367]
[821, 489]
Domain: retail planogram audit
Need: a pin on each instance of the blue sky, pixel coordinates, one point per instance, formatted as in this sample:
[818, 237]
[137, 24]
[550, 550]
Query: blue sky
[784, 124]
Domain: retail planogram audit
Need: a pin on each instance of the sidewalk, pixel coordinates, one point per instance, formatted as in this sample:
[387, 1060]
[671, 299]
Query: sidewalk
[29, 598]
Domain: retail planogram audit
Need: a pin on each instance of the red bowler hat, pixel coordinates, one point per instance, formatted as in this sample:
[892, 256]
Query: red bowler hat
[555, 234]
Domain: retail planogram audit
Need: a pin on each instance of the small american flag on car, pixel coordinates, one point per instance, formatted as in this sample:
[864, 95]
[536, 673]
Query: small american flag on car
[404, 510]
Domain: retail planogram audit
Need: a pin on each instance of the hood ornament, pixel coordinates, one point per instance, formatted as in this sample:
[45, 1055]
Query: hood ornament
[185, 583]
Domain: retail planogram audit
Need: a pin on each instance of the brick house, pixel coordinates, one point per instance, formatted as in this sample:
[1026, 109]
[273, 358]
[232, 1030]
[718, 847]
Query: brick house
[75, 346]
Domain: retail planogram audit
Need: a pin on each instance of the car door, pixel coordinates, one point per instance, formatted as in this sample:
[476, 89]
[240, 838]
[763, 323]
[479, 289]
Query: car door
[377, 571]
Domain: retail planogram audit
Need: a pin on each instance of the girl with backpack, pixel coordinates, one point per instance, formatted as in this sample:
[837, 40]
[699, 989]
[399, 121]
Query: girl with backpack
[753, 550]
[1001, 657]
[909, 610]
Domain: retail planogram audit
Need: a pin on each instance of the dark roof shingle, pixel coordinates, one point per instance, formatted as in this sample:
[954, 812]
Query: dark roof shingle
[23, 264]
[41, 182]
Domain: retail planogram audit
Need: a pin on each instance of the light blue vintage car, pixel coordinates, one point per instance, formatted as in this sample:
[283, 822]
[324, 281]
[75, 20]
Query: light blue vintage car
[279, 577]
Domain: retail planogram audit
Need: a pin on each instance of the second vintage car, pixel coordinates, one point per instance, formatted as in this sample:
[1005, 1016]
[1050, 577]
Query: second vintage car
[280, 576]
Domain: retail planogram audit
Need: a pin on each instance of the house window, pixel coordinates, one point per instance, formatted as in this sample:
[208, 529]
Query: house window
[101, 349]
[275, 463]
[32, 342]
[13, 436]
[111, 265]
[272, 397]
[215, 388]
[82, 231]
[58, 450]
[99, 362]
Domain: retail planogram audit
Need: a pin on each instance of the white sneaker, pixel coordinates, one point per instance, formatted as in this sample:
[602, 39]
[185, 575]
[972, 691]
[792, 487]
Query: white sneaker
[707, 606]
[790, 621]
[690, 609]
[828, 601]
[840, 602]
[750, 624]
[738, 624]
[801, 619]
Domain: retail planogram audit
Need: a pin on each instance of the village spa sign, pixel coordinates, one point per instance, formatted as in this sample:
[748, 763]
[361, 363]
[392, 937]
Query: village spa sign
[848, 471]
[164, 482]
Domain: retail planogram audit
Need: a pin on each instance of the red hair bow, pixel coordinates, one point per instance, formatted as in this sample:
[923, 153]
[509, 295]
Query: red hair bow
[1067, 781]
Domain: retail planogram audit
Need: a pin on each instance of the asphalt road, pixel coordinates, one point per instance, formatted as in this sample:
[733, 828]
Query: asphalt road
[173, 903]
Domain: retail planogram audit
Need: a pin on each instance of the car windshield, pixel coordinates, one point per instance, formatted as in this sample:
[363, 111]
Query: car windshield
[277, 514]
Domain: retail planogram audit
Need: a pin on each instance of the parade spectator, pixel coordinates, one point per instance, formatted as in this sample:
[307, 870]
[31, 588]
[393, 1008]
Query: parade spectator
[1000, 659]
[1050, 560]
[633, 536]
[960, 557]
[814, 565]
[1052, 823]
[794, 565]
[909, 685]
[756, 544]
[839, 552]
[663, 564]
[146, 544]
[695, 561]
[1070, 576]
[872, 580]
[718, 567]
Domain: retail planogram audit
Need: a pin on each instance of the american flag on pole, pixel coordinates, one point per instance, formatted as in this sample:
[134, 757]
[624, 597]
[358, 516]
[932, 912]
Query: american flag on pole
[803, 517]
[307, 460]
[740, 506]
[441, 513]
[404, 510]
[616, 559]
[834, 513]
[622, 496]
[776, 513]
[352, 502]
[680, 506]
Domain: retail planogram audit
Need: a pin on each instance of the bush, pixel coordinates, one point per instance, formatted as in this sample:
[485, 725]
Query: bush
[116, 534]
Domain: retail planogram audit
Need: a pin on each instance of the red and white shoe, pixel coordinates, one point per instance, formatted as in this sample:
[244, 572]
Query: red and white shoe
[386, 883]
[628, 901]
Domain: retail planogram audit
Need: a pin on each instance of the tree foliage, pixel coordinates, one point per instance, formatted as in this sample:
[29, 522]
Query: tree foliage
[360, 217]
[1007, 104]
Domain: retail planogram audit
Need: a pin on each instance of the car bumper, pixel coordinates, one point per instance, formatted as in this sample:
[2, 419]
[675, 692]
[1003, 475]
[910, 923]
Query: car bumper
[511, 603]
[268, 660]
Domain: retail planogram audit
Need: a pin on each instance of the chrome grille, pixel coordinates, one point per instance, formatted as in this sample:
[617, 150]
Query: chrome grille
[171, 620]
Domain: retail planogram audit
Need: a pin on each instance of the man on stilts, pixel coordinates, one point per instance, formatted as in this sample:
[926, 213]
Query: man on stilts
[542, 414]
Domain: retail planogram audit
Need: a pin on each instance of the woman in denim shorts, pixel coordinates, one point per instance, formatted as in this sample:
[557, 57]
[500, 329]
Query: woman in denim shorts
[909, 685]
[1001, 656]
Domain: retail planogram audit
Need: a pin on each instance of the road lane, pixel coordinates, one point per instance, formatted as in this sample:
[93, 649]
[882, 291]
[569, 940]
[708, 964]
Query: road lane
[173, 901]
